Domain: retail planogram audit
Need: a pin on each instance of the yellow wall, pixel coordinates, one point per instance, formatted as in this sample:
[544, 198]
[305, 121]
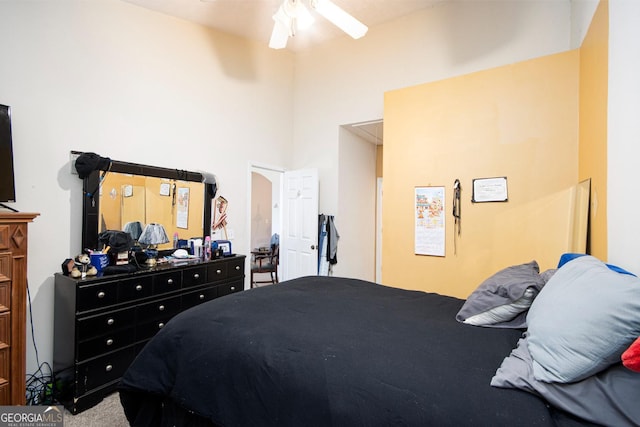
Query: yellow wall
[594, 55]
[165, 210]
[379, 156]
[518, 121]
[147, 205]
[111, 199]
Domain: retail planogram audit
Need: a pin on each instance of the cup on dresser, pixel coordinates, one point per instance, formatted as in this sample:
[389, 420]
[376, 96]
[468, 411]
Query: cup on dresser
[99, 261]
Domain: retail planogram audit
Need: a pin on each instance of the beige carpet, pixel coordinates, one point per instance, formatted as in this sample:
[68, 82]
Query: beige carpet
[107, 413]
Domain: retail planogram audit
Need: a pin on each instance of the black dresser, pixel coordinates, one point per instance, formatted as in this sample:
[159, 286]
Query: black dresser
[101, 323]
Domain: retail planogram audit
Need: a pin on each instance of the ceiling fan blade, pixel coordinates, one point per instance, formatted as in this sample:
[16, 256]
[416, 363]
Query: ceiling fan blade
[279, 37]
[281, 31]
[340, 18]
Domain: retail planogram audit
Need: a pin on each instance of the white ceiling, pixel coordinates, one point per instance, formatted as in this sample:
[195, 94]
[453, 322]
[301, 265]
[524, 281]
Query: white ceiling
[252, 18]
[369, 131]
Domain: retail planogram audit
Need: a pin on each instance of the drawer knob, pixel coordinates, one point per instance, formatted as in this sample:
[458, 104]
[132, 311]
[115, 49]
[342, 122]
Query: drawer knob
[101, 294]
[161, 307]
[110, 321]
[138, 287]
[108, 368]
[233, 288]
[160, 325]
[170, 281]
[201, 296]
[196, 276]
[238, 267]
[218, 271]
[109, 341]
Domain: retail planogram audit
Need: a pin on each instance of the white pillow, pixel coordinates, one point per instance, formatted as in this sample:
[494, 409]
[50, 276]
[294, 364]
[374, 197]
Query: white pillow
[582, 320]
[503, 312]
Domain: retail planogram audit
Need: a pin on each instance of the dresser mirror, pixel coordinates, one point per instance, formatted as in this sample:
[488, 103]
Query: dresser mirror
[129, 196]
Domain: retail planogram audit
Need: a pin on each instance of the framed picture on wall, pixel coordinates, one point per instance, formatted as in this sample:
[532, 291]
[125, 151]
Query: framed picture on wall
[490, 190]
[165, 189]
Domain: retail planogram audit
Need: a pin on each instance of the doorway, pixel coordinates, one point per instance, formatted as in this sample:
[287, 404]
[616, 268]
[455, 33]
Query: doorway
[265, 212]
[360, 177]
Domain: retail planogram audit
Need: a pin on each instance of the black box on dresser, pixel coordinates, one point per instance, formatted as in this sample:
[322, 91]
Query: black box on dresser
[102, 322]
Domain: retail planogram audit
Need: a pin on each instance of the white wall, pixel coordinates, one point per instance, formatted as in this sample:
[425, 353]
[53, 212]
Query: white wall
[354, 217]
[344, 81]
[134, 85]
[623, 153]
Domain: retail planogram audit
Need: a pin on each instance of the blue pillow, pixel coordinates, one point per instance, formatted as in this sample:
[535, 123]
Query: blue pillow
[582, 320]
[565, 258]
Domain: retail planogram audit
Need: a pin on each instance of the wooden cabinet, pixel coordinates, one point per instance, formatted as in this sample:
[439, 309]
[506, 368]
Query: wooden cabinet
[101, 323]
[13, 305]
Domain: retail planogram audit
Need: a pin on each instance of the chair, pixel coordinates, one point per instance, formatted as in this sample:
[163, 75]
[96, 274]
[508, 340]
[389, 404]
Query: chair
[266, 263]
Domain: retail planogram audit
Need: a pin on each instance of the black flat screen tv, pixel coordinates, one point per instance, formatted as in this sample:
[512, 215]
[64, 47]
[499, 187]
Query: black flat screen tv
[7, 181]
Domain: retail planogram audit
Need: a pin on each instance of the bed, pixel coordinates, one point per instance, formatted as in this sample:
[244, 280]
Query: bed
[328, 351]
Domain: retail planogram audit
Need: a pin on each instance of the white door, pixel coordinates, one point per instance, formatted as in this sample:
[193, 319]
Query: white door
[299, 238]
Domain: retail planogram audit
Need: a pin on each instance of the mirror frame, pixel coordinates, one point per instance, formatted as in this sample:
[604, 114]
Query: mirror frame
[91, 204]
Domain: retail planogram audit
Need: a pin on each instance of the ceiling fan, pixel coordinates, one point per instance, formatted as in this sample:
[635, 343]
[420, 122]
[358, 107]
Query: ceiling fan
[293, 15]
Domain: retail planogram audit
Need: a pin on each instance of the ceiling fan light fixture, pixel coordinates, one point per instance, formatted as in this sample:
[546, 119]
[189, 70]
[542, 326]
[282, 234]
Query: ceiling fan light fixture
[303, 19]
[340, 18]
[282, 17]
[293, 15]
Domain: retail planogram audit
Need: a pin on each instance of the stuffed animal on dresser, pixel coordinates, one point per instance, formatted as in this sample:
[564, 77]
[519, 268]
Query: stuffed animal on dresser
[82, 267]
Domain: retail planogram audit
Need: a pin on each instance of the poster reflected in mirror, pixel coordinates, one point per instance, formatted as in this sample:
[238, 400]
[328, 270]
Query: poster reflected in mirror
[182, 218]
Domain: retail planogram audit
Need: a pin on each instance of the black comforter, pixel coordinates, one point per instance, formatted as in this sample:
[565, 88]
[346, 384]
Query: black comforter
[321, 351]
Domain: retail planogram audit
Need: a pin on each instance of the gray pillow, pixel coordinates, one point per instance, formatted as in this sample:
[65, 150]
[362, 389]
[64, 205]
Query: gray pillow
[502, 300]
[582, 321]
[607, 398]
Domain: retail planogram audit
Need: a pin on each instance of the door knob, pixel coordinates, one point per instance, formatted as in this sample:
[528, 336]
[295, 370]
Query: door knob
[313, 247]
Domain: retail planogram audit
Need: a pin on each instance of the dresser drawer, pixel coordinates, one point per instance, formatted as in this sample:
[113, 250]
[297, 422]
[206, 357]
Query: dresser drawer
[5, 295]
[103, 370]
[192, 299]
[5, 281]
[135, 288]
[230, 288]
[235, 267]
[5, 265]
[106, 343]
[5, 232]
[105, 323]
[5, 329]
[158, 309]
[98, 295]
[146, 330]
[167, 282]
[4, 364]
[217, 271]
[194, 276]
[5, 395]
